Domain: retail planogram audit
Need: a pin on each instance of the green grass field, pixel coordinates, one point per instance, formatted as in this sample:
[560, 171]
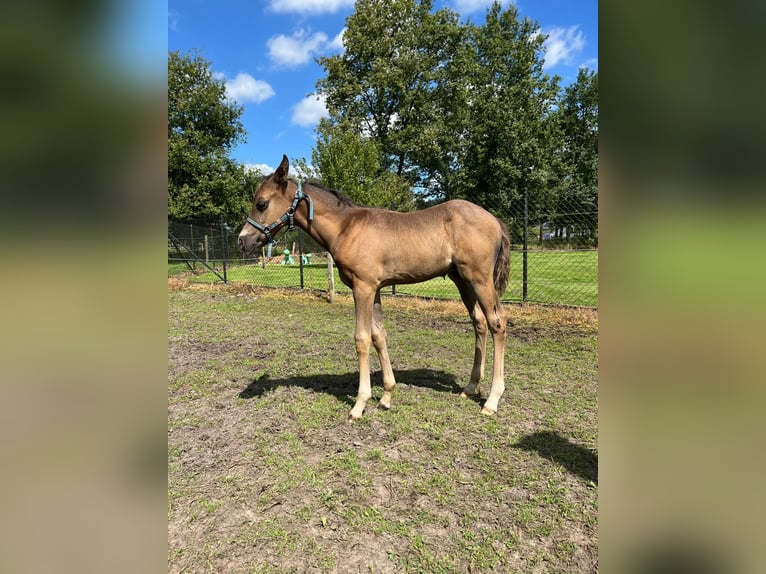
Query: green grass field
[266, 475]
[554, 277]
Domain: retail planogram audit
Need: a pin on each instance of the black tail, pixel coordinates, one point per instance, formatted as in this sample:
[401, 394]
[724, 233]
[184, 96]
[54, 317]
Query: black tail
[502, 262]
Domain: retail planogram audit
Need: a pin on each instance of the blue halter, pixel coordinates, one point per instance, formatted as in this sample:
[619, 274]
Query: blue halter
[288, 217]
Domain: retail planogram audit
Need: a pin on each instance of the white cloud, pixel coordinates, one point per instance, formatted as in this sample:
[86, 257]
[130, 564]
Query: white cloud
[298, 49]
[245, 88]
[292, 51]
[265, 169]
[309, 111]
[310, 6]
[470, 6]
[591, 64]
[309, 173]
[562, 44]
[337, 43]
[259, 168]
[173, 18]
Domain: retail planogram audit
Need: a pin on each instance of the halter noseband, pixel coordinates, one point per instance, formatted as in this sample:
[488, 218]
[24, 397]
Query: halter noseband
[289, 215]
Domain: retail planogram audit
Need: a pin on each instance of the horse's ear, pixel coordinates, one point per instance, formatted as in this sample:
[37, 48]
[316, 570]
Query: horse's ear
[284, 167]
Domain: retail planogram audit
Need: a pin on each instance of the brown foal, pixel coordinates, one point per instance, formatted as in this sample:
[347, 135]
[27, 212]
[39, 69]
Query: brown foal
[373, 248]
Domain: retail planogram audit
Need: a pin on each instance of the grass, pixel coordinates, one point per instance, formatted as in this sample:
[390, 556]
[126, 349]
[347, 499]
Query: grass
[266, 475]
[553, 277]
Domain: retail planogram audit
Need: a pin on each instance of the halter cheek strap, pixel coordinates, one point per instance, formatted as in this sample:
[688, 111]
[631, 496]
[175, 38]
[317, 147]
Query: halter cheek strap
[289, 216]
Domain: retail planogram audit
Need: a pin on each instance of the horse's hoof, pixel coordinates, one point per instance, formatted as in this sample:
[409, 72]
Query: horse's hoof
[463, 395]
[384, 406]
[352, 418]
[488, 412]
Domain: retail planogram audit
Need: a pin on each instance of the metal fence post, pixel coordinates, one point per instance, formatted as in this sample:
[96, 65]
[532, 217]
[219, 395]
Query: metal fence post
[225, 248]
[330, 279]
[300, 255]
[191, 243]
[524, 252]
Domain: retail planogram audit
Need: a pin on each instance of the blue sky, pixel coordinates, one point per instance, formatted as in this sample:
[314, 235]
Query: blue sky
[265, 52]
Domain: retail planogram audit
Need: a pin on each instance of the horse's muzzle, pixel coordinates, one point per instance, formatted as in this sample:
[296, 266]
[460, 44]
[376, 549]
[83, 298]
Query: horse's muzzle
[249, 242]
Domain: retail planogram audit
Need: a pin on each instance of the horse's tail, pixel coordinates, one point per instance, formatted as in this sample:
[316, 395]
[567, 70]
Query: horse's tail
[502, 261]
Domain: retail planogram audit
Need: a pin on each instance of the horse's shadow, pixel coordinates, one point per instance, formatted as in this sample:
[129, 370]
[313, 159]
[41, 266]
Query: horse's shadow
[575, 458]
[344, 386]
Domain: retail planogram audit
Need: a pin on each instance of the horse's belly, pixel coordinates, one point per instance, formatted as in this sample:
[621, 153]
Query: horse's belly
[417, 265]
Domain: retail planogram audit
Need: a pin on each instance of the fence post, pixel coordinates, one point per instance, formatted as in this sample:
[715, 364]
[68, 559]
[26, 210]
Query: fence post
[225, 248]
[524, 252]
[191, 243]
[300, 255]
[330, 280]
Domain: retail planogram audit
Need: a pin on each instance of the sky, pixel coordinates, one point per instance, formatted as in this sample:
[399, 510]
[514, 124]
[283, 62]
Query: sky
[265, 50]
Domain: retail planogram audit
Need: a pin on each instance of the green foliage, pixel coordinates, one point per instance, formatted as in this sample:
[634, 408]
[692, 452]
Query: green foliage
[204, 183]
[457, 110]
[350, 162]
[507, 145]
[577, 121]
[390, 84]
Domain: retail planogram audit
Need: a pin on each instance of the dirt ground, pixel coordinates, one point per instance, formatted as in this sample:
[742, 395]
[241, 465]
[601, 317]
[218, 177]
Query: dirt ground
[266, 475]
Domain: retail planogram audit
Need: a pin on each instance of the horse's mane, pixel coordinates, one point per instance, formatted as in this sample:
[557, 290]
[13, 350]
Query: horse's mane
[342, 199]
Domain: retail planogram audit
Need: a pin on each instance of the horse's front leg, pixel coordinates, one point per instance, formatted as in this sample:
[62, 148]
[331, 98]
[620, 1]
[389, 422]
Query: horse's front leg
[379, 340]
[363, 301]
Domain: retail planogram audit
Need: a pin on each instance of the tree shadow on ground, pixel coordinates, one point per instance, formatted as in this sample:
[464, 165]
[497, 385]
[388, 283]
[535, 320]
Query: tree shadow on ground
[344, 386]
[575, 458]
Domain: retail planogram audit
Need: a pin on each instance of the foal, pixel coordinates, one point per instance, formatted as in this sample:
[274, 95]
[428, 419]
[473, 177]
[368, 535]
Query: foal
[374, 248]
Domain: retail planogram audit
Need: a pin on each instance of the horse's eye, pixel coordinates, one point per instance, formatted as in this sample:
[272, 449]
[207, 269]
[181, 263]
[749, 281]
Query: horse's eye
[262, 205]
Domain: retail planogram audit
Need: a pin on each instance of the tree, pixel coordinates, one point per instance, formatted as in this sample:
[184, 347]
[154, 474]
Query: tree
[350, 162]
[203, 125]
[390, 85]
[458, 110]
[509, 135]
[577, 122]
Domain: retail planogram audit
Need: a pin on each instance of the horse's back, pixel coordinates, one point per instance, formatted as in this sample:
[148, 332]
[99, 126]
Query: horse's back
[453, 212]
[464, 220]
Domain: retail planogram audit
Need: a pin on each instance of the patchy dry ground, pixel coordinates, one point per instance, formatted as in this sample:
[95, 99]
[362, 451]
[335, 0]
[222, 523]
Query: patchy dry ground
[266, 475]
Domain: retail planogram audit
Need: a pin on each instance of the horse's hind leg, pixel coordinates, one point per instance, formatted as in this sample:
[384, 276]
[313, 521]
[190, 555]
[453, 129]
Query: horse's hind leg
[496, 321]
[379, 340]
[479, 353]
[480, 331]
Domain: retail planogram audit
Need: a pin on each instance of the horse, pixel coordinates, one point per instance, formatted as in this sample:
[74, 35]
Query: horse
[373, 248]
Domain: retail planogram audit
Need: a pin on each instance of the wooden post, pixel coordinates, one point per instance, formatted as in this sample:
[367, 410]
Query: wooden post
[207, 254]
[330, 280]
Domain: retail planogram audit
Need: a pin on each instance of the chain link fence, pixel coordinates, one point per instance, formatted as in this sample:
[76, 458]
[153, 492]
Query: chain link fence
[554, 260]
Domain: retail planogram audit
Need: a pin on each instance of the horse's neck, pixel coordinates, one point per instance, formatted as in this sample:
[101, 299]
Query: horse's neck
[329, 217]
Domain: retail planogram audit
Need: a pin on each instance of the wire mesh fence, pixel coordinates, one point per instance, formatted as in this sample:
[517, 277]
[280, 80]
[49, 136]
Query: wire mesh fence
[554, 260]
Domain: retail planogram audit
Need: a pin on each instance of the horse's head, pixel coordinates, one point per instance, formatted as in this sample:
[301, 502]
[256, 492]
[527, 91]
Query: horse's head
[271, 202]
